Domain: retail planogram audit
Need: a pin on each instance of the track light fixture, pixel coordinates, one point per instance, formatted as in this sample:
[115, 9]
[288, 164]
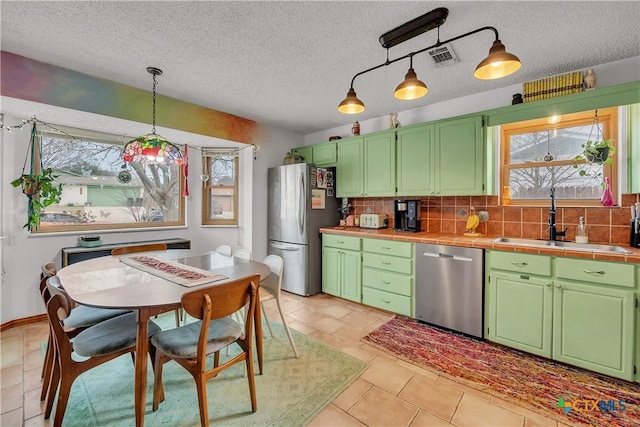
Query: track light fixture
[499, 63]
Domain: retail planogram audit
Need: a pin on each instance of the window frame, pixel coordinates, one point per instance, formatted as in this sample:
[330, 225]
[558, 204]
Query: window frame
[104, 138]
[608, 118]
[207, 188]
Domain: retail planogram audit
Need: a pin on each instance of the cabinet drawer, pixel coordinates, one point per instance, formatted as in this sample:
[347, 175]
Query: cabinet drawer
[389, 263]
[388, 247]
[342, 242]
[602, 272]
[396, 303]
[539, 265]
[389, 282]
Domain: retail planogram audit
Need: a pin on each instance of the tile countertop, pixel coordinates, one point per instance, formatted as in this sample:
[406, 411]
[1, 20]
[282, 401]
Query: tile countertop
[483, 242]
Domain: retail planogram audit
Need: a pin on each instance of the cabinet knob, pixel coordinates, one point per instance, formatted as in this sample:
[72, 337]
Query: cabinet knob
[385, 282]
[386, 263]
[558, 285]
[594, 272]
[548, 284]
[386, 301]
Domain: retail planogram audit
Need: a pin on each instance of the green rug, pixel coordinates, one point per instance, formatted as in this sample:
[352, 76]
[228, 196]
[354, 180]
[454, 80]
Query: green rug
[291, 392]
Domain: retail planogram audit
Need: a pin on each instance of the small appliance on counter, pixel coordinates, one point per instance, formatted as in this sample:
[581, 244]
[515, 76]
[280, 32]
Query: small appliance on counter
[373, 221]
[634, 232]
[406, 215]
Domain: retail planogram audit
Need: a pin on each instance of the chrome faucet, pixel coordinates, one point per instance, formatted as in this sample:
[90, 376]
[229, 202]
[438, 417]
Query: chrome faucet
[553, 232]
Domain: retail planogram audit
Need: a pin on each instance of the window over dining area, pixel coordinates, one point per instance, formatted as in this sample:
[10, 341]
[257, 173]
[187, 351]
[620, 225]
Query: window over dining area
[539, 154]
[100, 191]
[220, 189]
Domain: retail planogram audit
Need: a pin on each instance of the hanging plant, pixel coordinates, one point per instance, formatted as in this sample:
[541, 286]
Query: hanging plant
[40, 188]
[596, 151]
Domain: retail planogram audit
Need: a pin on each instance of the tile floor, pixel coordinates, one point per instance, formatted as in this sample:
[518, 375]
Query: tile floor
[390, 392]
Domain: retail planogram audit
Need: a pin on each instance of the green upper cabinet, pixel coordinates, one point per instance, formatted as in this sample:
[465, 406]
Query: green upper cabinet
[415, 150]
[325, 154]
[380, 164]
[349, 179]
[305, 152]
[459, 157]
[366, 166]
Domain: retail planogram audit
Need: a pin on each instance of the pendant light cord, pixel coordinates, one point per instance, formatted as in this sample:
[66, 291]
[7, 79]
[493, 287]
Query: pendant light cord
[155, 82]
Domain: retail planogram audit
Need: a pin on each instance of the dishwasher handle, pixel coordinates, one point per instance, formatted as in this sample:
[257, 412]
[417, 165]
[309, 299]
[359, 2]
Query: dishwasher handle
[447, 256]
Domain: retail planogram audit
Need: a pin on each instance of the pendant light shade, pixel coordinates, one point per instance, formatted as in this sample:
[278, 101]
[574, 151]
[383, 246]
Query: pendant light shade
[152, 148]
[499, 63]
[411, 87]
[351, 104]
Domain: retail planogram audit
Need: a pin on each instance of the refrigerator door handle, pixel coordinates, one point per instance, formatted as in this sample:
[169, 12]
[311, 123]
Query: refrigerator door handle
[301, 205]
[284, 248]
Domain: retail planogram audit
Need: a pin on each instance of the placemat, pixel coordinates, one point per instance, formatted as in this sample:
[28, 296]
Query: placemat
[172, 271]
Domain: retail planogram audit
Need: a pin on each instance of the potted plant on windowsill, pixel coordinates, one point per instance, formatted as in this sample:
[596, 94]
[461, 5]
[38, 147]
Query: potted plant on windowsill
[42, 191]
[594, 152]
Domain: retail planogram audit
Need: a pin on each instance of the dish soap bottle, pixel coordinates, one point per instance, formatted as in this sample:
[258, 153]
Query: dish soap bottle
[581, 231]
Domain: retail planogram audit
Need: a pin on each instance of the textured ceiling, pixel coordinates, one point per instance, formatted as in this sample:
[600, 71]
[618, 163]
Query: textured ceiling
[290, 63]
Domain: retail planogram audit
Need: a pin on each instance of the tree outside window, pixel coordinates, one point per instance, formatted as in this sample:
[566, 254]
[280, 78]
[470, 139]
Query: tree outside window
[220, 189]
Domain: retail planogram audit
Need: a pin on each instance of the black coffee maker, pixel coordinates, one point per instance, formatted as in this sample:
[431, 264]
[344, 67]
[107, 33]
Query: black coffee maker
[406, 215]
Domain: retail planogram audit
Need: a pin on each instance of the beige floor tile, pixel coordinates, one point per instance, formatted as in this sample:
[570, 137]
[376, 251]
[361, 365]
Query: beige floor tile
[11, 376]
[11, 344]
[38, 421]
[482, 394]
[417, 369]
[32, 404]
[351, 333]
[352, 394]
[432, 396]
[387, 375]
[336, 311]
[33, 360]
[362, 319]
[380, 408]
[307, 316]
[328, 324]
[11, 398]
[539, 419]
[9, 359]
[529, 422]
[334, 417]
[358, 353]
[477, 412]
[11, 418]
[32, 379]
[328, 339]
[425, 419]
[301, 327]
[373, 350]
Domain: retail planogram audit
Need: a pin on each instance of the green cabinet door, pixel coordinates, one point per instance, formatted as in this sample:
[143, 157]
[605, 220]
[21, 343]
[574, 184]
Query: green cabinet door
[415, 153]
[349, 171]
[351, 276]
[459, 157]
[520, 312]
[325, 154]
[594, 328]
[331, 272]
[305, 152]
[380, 164]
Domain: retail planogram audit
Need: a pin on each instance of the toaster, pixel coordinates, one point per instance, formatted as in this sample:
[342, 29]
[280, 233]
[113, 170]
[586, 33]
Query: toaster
[374, 221]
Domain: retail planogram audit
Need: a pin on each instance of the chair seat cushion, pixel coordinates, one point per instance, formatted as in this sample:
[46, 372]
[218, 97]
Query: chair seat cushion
[182, 342]
[83, 316]
[110, 336]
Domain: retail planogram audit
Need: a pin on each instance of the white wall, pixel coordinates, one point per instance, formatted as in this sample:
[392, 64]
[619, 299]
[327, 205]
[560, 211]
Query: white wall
[22, 255]
[609, 74]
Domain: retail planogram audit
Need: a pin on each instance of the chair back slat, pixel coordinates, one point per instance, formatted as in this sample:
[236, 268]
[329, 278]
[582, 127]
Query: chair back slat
[274, 281]
[139, 248]
[225, 298]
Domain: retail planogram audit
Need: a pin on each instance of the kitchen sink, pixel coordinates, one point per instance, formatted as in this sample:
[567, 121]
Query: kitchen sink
[586, 247]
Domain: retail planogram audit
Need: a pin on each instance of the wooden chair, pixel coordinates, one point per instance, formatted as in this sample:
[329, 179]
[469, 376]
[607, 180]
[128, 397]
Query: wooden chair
[139, 248]
[81, 318]
[270, 289]
[98, 344]
[224, 250]
[242, 253]
[189, 345]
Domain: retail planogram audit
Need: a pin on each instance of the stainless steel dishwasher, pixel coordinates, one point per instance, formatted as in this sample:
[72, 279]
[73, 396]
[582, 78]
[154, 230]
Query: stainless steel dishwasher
[450, 287]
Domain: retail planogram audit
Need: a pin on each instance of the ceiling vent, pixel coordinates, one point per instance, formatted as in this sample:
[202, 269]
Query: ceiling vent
[443, 55]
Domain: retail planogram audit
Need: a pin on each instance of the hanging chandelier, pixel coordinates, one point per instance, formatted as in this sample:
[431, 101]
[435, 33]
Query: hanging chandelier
[499, 63]
[152, 148]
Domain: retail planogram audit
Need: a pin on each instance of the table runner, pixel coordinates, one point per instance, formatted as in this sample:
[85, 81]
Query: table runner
[181, 274]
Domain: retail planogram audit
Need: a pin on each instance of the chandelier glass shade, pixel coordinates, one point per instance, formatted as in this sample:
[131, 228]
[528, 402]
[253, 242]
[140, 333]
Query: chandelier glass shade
[152, 148]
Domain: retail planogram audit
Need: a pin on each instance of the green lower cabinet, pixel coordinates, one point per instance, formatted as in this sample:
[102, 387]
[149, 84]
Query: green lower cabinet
[518, 300]
[594, 328]
[341, 273]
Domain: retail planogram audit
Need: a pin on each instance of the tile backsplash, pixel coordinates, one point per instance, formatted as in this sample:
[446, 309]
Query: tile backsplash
[449, 215]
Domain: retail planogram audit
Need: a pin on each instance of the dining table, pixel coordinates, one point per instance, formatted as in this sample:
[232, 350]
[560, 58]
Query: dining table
[116, 282]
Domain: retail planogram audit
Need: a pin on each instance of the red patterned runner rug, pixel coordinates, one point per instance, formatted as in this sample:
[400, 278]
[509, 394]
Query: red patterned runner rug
[564, 393]
[174, 272]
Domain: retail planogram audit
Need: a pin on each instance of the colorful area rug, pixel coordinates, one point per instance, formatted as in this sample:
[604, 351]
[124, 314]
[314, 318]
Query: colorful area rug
[291, 392]
[569, 395]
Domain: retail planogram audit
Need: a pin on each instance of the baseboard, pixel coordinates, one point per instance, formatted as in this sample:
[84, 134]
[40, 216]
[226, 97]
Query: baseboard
[24, 321]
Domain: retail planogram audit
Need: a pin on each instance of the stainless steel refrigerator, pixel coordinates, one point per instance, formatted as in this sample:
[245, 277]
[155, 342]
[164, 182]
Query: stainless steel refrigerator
[301, 201]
